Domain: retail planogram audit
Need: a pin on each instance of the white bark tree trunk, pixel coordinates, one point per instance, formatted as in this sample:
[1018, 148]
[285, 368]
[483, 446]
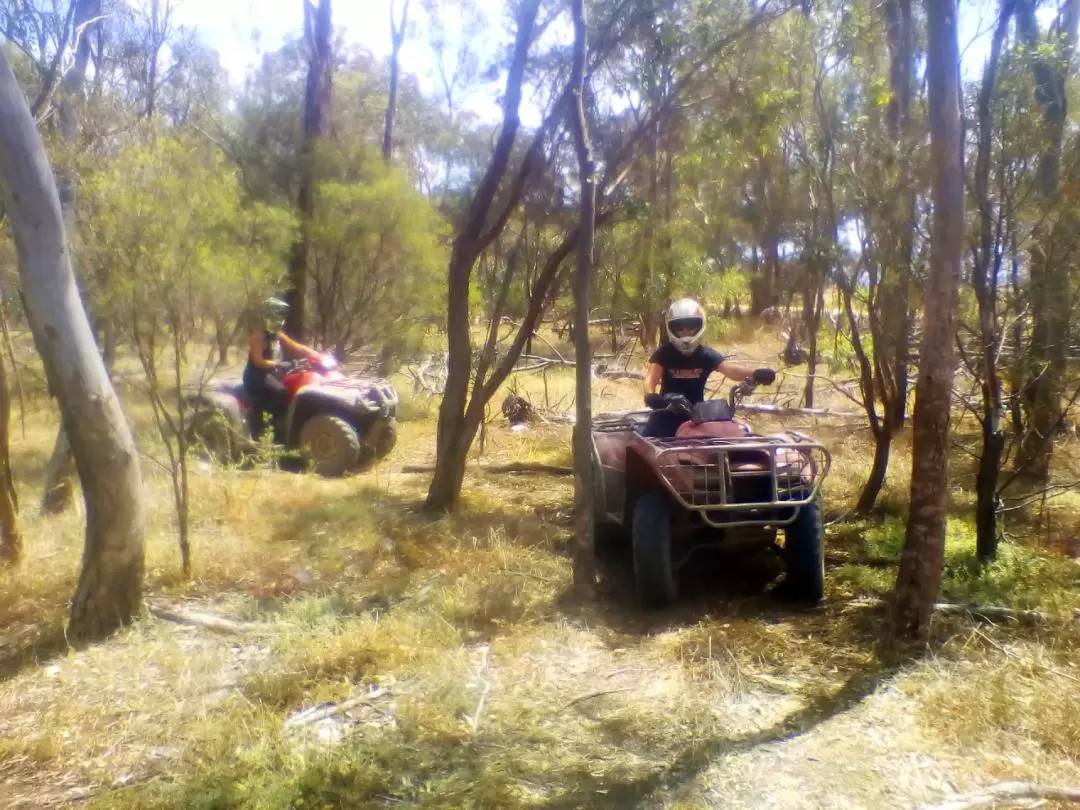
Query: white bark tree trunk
[109, 593]
[60, 471]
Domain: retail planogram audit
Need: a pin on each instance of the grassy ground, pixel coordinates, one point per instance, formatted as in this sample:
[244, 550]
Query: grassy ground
[470, 677]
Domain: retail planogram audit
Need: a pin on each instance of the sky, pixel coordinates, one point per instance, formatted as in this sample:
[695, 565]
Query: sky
[229, 25]
[242, 30]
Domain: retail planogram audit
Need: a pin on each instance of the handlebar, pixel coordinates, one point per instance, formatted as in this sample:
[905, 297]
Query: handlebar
[741, 390]
[677, 403]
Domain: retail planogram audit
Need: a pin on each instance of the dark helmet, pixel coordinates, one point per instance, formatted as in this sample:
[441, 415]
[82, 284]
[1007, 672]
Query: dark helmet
[275, 311]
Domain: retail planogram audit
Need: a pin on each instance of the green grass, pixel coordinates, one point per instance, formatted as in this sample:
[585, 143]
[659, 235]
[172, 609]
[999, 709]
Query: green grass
[1021, 577]
[503, 687]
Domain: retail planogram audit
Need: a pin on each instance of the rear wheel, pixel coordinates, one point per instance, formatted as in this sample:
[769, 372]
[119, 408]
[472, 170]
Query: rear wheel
[330, 444]
[210, 431]
[804, 553]
[654, 569]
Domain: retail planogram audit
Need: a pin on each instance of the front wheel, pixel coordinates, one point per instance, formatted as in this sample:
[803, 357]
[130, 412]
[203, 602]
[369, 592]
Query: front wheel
[654, 570]
[330, 444]
[380, 437]
[804, 553]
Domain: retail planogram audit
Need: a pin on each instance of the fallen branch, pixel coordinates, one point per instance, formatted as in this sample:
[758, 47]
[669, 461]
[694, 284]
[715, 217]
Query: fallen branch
[319, 713]
[474, 718]
[1010, 654]
[992, 795]
[992, 613]
[498, 469]
[989, 613]
[591, 695]
[534, 362]
[419, 376]
[603, 372]
[196, 618]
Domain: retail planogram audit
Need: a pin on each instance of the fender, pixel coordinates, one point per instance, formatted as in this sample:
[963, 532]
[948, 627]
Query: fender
[217, 400]
[640, 476]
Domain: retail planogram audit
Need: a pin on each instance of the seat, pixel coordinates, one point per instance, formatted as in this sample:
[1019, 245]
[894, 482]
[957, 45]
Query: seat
[712, 410]
[711, 430]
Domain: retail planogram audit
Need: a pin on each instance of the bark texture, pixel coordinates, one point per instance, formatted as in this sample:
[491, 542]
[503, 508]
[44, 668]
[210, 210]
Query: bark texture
[109, 592]
[919, 578]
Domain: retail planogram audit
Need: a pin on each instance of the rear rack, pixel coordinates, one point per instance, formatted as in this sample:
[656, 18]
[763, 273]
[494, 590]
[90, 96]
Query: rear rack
[754, 481]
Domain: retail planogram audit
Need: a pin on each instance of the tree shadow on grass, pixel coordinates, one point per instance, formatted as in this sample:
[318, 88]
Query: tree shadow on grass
[36, 646]
[693, 760]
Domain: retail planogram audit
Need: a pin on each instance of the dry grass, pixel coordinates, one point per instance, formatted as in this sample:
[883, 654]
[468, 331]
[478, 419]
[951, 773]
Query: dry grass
[500, 689]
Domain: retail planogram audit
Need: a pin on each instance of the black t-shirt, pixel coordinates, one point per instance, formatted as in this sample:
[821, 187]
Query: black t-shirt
[686, 374]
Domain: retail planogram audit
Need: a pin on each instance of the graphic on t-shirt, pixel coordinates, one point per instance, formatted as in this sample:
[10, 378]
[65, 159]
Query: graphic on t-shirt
[686, 374]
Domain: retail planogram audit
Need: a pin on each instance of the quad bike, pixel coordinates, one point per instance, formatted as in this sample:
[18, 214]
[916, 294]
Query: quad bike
[339, 423]
[715, 483]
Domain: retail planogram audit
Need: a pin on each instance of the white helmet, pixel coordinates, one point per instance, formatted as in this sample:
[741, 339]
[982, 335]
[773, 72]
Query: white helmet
[685, 324]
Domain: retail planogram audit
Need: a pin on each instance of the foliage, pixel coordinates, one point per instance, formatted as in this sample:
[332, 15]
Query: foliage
[377, 262]
[166, 233]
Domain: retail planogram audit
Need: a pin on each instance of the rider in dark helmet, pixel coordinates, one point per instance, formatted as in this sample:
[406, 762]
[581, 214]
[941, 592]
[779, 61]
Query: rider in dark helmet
[267, 347]
[682, 366]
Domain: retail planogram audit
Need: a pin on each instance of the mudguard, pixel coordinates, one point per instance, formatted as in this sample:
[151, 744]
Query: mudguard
[357, 404]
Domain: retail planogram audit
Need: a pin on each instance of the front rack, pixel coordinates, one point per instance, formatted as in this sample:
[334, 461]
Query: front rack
[753, 481]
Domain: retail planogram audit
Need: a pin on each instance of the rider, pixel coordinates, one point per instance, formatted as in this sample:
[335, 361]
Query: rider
[682, 366]
[267, 346]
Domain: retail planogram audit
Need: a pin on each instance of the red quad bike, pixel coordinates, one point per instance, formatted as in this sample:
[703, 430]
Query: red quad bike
[714, 484]
[339, 423]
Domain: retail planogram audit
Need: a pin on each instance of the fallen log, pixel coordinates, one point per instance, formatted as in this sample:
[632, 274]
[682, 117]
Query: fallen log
[994, 795]
[197, 618]
[319, 713]
[605, 373]
[498, 469]
[992, 613]
[986, 613]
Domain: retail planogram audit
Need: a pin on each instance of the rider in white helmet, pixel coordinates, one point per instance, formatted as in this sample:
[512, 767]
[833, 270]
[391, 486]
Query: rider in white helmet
[682, 366]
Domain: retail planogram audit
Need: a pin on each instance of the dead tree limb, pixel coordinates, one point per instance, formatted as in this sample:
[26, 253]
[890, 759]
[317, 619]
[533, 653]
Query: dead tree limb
[196, 618]
[994, 795]
[319, 713]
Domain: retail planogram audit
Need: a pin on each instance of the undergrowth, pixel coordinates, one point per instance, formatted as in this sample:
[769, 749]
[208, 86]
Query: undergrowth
[476, 676]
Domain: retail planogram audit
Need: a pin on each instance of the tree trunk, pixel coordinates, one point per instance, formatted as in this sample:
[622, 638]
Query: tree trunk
[1050, 294]
[152, 56]
[317, 95]
[451, 456]
[1016, 369]
[60, 471]
[919, 577]
[584, 563]
[445, 488]
[896, 319]
[879, 468]
[397, 39]
[986, 494]
[11, 540]
[983, 272]
[109, 593]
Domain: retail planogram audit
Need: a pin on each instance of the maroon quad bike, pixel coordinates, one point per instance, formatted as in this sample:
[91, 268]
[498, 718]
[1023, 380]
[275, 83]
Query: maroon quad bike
[715, 484]
[340, 423]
